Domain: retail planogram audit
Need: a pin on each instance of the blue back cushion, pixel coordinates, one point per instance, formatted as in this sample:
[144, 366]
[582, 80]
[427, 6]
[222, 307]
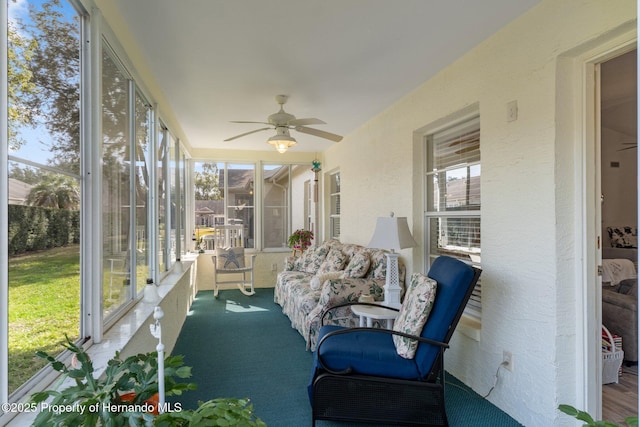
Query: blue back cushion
[454, 278]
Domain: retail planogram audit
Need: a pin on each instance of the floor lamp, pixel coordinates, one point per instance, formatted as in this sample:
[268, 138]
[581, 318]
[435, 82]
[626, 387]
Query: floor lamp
[392, 233]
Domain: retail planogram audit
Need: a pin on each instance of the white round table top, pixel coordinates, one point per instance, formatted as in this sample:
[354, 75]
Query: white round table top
[374, 312]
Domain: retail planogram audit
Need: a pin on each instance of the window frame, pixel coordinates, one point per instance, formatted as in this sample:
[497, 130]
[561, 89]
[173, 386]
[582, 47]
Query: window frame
[453, 126]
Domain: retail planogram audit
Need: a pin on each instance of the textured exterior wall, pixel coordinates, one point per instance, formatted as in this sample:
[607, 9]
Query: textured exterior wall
[528, 193]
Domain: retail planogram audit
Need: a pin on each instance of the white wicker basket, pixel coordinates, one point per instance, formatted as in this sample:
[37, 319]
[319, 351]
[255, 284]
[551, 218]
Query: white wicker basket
[611, 358]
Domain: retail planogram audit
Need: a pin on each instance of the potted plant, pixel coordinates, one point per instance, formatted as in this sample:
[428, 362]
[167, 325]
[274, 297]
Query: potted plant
[300, 240]
[224, 411]
[126, 394]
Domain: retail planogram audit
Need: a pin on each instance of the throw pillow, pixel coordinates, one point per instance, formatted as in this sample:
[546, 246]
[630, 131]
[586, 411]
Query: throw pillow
[358, 265]
[414, 312]
[333, 262]
[312, 259]
[317, 281]
[229, 258]
[623, 237]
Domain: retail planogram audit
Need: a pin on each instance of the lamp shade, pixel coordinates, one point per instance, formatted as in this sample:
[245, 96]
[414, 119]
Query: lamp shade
[282, 141]
[392, 233]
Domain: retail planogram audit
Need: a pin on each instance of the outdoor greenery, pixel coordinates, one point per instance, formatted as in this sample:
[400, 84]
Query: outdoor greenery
[44, 296]
[35, 228]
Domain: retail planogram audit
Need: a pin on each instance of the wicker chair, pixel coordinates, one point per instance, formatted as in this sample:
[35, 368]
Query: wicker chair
[359, 376]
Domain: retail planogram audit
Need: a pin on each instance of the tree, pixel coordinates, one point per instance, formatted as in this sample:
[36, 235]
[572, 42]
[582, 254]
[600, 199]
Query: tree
[55, 191]
[21, 85]
[207, 183]
[46, 79]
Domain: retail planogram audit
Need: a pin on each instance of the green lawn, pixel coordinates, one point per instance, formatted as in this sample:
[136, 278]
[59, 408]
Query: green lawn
[44, 304]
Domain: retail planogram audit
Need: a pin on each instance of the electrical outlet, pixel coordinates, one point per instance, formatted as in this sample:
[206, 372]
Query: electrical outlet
[507, 360]
[274, 267]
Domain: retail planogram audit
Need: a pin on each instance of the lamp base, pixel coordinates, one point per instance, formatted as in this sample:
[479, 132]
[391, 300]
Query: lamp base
[392, 289]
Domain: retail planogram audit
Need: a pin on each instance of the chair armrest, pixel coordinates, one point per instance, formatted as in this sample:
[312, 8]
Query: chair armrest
[442, 346]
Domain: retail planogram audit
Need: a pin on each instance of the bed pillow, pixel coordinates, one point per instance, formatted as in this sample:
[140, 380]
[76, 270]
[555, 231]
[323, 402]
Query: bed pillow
[414, 313]
[358, 265]
[229, 258]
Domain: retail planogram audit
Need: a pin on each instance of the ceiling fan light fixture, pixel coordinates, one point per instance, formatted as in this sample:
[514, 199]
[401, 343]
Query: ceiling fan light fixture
[282, 142]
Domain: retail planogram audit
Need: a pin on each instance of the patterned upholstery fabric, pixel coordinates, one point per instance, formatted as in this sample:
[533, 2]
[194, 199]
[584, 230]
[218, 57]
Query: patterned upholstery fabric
[414, 313]
[623, 237]
[334, 261]
[304, 305]
[358, 265]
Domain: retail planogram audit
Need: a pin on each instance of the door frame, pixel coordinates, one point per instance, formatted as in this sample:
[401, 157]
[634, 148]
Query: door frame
[588, 224]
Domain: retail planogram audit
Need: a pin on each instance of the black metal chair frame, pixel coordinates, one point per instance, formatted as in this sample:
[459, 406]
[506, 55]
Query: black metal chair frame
[345, 396]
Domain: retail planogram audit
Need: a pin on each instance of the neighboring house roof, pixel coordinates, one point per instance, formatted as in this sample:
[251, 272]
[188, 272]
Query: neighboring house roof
[238, 178]
[18, 191]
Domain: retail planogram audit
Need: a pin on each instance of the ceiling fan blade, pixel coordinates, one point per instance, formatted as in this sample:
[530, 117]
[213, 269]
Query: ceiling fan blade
[319, 133]
[305, 122]
[245, 134]
[244, 121]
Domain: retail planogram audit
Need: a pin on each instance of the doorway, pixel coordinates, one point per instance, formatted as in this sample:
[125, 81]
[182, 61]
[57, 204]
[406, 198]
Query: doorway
[619, 222]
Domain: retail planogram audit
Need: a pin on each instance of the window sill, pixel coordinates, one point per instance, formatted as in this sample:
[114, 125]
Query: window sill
[131, 327]
[470, 327]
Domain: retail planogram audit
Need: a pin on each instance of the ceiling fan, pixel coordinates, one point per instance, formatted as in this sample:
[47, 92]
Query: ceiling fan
[282, 122]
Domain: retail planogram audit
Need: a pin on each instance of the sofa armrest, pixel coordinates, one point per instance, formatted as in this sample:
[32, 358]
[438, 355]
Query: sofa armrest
[290, 263]
[621, 301]
[335, 292]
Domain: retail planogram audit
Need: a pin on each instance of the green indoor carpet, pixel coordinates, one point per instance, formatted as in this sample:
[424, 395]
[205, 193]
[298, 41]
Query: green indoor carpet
[244, 347]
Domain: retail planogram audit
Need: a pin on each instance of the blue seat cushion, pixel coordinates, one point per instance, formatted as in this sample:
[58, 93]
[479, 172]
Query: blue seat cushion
[365, 352]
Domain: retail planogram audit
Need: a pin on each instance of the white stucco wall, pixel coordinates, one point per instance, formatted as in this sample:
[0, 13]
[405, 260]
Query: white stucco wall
[528, 199]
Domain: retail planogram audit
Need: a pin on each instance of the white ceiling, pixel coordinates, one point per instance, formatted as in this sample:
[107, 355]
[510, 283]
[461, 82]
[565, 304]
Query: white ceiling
[342, 61]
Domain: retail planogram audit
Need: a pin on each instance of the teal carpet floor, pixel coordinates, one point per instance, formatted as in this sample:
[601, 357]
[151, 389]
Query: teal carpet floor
[241, 346]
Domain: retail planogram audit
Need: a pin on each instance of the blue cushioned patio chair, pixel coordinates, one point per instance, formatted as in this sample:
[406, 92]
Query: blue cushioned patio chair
[359, 376]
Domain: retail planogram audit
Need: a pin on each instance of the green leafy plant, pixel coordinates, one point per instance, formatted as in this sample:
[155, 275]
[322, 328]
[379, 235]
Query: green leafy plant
[216, 412]
[300, 239]
[590, 422]
[123, 395]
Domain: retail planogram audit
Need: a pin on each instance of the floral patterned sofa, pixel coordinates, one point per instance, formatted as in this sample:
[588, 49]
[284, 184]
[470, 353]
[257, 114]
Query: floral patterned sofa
[326, 275]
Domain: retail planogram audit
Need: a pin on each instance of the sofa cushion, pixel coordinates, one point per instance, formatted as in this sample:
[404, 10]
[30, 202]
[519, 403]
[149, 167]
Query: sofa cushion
[229, 258]
[365, 352]
[414, 313]
[628, 287]
[358, 265]
[378, 268]
[334, 261]
[313, 257]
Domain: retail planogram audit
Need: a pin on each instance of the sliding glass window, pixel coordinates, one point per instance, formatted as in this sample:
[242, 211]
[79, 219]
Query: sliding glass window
[44, 183]
[224, 199]
[288, 202]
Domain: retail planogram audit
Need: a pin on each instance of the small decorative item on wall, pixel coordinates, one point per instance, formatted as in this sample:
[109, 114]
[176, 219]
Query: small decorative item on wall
[300, 240]
[315, 169]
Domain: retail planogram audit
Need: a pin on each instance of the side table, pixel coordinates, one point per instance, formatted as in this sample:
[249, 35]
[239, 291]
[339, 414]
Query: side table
[370, 313]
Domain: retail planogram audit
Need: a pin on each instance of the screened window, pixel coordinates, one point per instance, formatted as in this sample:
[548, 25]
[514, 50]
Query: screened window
[224, 197]
[43, 243]
[287, 205]
[334, 201]
[453, 197]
